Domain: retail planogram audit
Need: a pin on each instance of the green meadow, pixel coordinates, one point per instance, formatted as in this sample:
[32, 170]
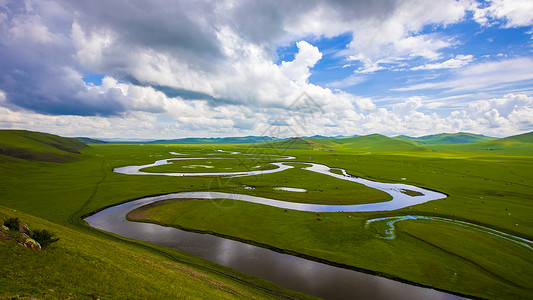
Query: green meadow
[489, 183]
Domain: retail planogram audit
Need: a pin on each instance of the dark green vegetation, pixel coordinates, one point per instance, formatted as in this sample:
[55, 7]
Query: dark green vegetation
[44, 237]
[41, 236]
[12, 223]
[493, 188]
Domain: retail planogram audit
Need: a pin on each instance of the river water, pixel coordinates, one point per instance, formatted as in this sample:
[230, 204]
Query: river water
[288, 271]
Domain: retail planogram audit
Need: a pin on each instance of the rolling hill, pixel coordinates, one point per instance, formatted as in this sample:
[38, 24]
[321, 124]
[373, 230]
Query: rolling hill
[514, 145]
[295, 143]
[376, 142]
[39, 146]
[447, 138]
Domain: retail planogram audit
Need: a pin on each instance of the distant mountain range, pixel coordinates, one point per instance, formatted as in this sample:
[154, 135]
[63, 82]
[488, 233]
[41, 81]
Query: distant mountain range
[28, 145]
[461, 141]
[443, 138]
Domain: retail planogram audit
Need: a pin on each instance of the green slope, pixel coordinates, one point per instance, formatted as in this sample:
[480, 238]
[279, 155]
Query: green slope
[447, 138]
[513, 145]
[377, 143]
[39, 146]
[523, 138]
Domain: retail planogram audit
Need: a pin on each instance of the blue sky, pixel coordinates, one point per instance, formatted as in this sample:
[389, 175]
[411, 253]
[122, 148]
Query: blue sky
[170, 69]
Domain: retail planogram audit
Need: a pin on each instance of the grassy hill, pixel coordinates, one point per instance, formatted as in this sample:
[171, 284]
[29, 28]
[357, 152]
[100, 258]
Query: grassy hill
[39, 146]
[447, 138]
[296, 143]
[514, 145]
[376, 142]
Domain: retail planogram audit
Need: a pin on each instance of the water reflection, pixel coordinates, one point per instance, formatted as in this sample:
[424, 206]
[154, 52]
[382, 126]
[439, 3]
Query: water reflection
[292, 272]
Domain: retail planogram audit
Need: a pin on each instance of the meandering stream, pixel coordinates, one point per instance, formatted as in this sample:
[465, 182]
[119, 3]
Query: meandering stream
[397, 190]
[292, 272]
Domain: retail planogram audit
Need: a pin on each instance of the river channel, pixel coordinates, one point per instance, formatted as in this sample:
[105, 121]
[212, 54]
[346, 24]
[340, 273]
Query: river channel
[307, 276]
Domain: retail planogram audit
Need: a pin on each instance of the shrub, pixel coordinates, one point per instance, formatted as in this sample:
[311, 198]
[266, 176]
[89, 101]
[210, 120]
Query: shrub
[44, 237]
[12, 223]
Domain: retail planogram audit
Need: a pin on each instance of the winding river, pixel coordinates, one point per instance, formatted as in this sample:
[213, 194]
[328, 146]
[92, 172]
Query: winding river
[292, 272]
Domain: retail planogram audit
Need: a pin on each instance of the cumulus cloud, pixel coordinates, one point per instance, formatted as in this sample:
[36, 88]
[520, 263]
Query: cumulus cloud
[298, 69]
[175, 66]
[203, 46]
[513, 13]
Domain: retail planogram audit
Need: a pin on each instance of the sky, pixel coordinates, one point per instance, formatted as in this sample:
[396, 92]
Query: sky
[180, 68]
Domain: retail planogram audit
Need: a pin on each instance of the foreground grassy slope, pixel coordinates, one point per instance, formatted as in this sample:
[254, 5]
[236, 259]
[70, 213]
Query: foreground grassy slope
[87, 265]
[39, 146]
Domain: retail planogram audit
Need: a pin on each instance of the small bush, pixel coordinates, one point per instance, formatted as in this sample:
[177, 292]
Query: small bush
[44, 237]
[12, 223]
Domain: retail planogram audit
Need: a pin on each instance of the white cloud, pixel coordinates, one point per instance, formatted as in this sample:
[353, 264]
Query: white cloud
[452, 63]
[381, 30]
[397, 34]
[482, 76]
[298, 69]
[223, 54]
[347, 82]
[513, 13]
[365, 104]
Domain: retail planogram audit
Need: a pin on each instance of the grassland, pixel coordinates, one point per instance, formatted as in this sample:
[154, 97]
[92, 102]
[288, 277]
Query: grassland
[493, 188]
[484, 187]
